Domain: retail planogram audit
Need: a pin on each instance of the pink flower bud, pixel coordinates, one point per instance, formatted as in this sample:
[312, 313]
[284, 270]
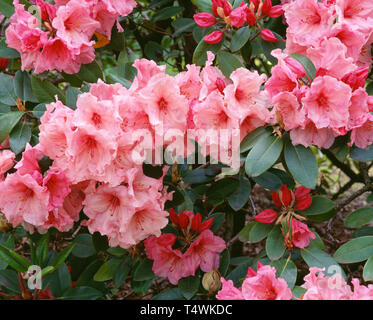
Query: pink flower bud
[220, 84]
[276, 11]
[267, 35]
[214, 37]
[357, 78]
[370, 103]
[266, 216]
[238, 16]
[204, 19]
[296, 67]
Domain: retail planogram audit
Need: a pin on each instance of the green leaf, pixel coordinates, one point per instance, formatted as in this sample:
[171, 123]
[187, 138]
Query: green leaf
[107, 270]
[116, 251]
[91, 72]
[45, 91]
[189, 286]
[7, 122]
[239, 198]
[173, 294]
[368, 270]
[259, 231]
[263, 155]
[370, 198]
[250, 140]
[72, 96]
[221, 190]
[367, 231]
[244, 234]
[200, 55]
[307, 64]
[122, 272]
[239, 38]
[7, 94]
[39, 110]
[22, 86]
[302, 164]
[9, 280]
[318, 206]
[183, 25]
[144, 271]
[167, 13]
[286, 270]
[81, 293]
[228, 62]
[84, 247]
[315, 257]
[359, 218]
[219, 218]
[62, 256]
[6, 52]
[355, 250]
[269, 181]
[275, 244]
[13, 259]
[240, 272]
[19, 137]
[224, 262]
[267, 47]
[362, 154]
[42, 249]
[6, 7]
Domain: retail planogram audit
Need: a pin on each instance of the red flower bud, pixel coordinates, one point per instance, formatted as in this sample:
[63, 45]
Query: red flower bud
[250, 17]
[304, 203]
[286, 196]
[173, 217]
[238, 16]
[3, 63]
[276, 199]
[267, 35]
[266, 216]
[183, 220]
[204, 19]
[220, 84]
[214, 37]
[206, 224]
[301, 192]
[196, 222]
[267, 6]
[276, 11]
[321, 72]
[255, 3]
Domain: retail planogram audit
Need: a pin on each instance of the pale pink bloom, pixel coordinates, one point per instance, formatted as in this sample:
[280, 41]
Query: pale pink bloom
[354, 12]
[164, 104]
[74, 24]
[54, 128]
[103, 115]
[22, 199]
[244, 96]
[361, 292]
[29, 163]
[310, 135]
[362, 136]
[365, 58]
[204, 251]
[167, 261]
[321, 287]
[6, 162]
[146, 69]
[282, 79]
[326, 103]
[288, 110]
[229, 291]
[263, 285]
[91, 151]
[359, 110]
[189, 82]
[120, 7]
[109, 211]
[308, 21]
[301, 235]
[330, 56]
[106, 92]
[58, 186]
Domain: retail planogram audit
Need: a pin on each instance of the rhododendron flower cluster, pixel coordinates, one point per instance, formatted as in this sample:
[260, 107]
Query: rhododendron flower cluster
[96, 155]
[336, 36]
[296, 233]
[60, 36]
[177, 257]
[224, 13]
[321, 287]
[258, 285]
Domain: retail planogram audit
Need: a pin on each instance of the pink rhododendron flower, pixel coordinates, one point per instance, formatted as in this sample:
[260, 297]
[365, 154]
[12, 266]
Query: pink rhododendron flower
[301, 235]
[6, 162]
[229, 291]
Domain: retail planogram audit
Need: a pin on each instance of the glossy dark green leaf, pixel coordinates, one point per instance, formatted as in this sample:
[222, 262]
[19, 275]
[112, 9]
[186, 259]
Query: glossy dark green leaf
[189, 286]
[19, 137]
[7, 122]
[307, 64]
[144, 271]
[362, 154]
[239, 38]
[239, 198]
[269, 181]
[228, 62]
[81, 293]
[84, 247]
[45, 91]
[355, 250]
[173, 294]
[22, 86]
[63, 255]
[200, 53]
[219, 218]
[72, 96]
[359, 218]
[107, 270]
[275, 244]
[302, 164]
[318, 206]
[7, 93]
[91, 72]
[368, 270]
[286, 270]
[224, 262]
[13, 259]
[249, 141]
[167, 13]
[259, 231]
[6, 7]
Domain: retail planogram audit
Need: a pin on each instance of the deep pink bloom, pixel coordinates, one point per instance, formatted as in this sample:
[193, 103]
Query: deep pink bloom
[204, 19]
[268, 35]
[214, 37]
[301, 235]
[229, 291]
[6, 162]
